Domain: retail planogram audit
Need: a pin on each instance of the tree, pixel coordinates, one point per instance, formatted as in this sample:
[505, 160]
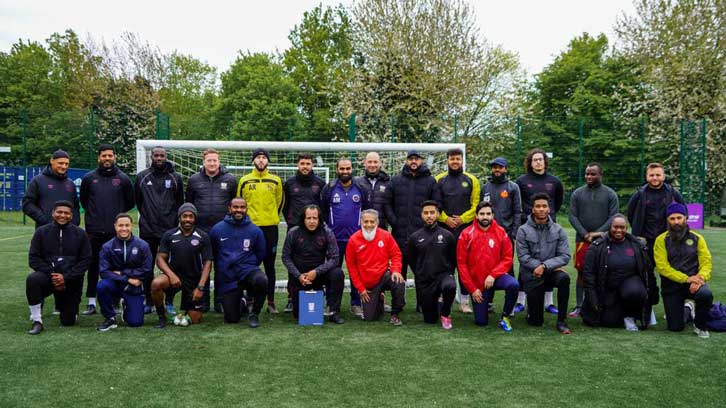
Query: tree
[258, 101]
[419, 64]
[319, 63]
[680, 50]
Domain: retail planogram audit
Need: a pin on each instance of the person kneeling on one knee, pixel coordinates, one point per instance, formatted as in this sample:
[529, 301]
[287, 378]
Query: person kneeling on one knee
[374, 264]
[59, 255]
[618, 278]
[683, 261]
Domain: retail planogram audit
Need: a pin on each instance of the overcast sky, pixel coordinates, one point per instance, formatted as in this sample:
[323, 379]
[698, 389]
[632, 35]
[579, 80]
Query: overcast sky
[214, 31]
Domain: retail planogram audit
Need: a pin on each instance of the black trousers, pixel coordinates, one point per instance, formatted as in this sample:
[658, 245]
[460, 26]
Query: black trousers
[169, 292]
[97, 241]
[256, 284]
[429, 292]
[38, 286]
[627, 300]
[673, 305]
[271, 236]
[535, 296]
[373, 310]
[333, 283]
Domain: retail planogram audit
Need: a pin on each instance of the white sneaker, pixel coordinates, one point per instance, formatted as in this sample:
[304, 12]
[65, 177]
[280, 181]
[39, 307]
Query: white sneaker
[386, 308]
[630, 324]
[464, 303]
[689, 311]
[703, 334]
[653, 322]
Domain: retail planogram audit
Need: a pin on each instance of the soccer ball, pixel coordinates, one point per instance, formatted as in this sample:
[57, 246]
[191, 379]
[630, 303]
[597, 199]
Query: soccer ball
[178, 319]
[185, 321]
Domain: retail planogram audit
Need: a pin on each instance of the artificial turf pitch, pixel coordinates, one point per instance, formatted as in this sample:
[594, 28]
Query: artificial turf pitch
[354, 364]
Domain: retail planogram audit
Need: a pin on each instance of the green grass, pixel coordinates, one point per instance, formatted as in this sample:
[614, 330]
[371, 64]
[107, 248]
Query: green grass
[356, 364]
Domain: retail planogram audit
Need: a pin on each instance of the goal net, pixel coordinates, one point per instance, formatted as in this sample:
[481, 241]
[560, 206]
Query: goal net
[236, 155]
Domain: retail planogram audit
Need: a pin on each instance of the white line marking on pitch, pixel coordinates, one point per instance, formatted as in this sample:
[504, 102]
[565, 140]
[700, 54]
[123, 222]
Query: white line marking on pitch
[9, 238]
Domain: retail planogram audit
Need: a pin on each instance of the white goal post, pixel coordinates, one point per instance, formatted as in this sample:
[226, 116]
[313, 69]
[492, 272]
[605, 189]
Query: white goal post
[236, 155]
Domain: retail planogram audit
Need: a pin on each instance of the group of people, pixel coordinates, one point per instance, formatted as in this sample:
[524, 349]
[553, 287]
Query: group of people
[441, 227]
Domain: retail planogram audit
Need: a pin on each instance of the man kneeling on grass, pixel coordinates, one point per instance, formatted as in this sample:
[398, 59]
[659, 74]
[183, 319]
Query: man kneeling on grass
[485, 257]
[238, 247]
[184, 259]
[123, 264]
[374, 264]
[59, 256]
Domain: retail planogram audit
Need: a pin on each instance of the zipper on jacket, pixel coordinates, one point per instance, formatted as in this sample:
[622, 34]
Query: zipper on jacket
[60, 241]
[124, 252]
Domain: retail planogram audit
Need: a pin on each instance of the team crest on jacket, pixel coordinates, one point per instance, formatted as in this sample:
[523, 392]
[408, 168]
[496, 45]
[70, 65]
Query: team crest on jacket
[167, 183]
[356, 198]
[246, 244]
[194, 242]
[382, 189]
[440, 238]
[464, 184]
[223, 185]
[504, 194]
[380, 243]
[315, 188]
[689, 242]
[491, 243]
[487, 198]
[336, 198]
[116, 182]
[134, 251]
[70, 187]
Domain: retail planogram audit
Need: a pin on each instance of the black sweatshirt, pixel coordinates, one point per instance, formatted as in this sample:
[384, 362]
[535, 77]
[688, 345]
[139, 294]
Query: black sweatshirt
[43, 191]
[531, 184]
[104, 194]
[306, 250]
[60, 249]
[431, 252]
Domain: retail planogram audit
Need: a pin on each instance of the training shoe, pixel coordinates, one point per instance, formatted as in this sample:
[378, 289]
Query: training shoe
[653, 321]
[689, 314]
[90, 310]
[505, 324]
[170, 310]
[107, 325]
[563, 328]
[490, 307]
[396, 321]
[552, 309]
[36, 328]
[335, 318]
[574, 313]
[386, 308]
[630, 324]
[326, 311]
[148, 309]
[703, 334]
[465, 308]
[446, 323]
[254, 321]
[272, 309]
[356, 310]
[162, 322]
[518, 308]
[288, 307]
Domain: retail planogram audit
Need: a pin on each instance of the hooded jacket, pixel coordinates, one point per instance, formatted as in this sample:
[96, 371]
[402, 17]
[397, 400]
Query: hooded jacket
[539, 244]
[211, 196]
[506, 203]
[595, 277]
[482, 253]
[158, 194]
[377, 194]
[431, 252]
[42, 193]
[405, 193]
[264, 196]
[305, 250]
[299, 192]
[238, 248]
[637, 205]
[63, 249]
[104, 194]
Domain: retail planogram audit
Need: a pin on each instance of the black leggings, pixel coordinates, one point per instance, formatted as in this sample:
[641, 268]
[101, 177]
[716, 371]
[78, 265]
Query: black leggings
[429, 292]
[627, 301]
[256, 284]
[535, 296]
[38, 286]
[271, 236]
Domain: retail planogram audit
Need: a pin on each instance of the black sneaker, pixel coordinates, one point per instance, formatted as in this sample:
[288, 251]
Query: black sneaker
[254, 321]
[218, 307]
[335, 318]
[288, 307]
[36, 328]
[162, 322]
[90, 310]
[563, 328]
[107, 325]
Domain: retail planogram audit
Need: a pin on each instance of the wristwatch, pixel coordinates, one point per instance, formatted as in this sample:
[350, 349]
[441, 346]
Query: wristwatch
[201, 288]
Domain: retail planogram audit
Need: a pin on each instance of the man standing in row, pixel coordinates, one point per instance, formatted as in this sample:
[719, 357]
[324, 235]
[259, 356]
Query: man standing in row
[311, 257]
[458, 192]
[48, 187]
[158, 192]
[263, 193]
[374, 263]
[238, 248]
[432, 250]
[210, 191]
[59, 256]
[300, 190]
[592, 207]
[543, 251]
[105, 192]
[376, 181]
[185, 260]
[342, 202]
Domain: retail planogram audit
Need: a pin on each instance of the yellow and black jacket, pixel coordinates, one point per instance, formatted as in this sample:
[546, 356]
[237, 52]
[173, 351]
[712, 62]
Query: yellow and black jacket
[264, 195]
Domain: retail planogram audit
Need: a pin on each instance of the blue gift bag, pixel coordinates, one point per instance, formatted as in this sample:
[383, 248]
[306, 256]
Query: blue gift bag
[311, 308]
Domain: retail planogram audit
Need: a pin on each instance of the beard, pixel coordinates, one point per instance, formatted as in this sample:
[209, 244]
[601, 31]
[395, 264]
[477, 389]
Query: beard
[484, 223]
[260, 168]
[344, 178]
[369, 235]
[677, 232]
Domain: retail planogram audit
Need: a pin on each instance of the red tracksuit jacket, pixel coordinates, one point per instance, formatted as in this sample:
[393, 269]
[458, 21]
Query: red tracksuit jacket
[368, 261]
[482, 253]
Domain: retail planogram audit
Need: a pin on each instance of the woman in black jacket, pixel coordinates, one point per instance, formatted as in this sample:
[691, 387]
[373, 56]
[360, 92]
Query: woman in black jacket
[619, 282]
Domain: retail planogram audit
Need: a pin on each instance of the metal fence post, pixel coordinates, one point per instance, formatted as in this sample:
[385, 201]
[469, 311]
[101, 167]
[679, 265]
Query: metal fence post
[518, 131]
[681, 157]
[456, 127]
[642, 148]
[25, 155]
[702, 168]
[581, 136]
[91, 134]
[352, 128]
